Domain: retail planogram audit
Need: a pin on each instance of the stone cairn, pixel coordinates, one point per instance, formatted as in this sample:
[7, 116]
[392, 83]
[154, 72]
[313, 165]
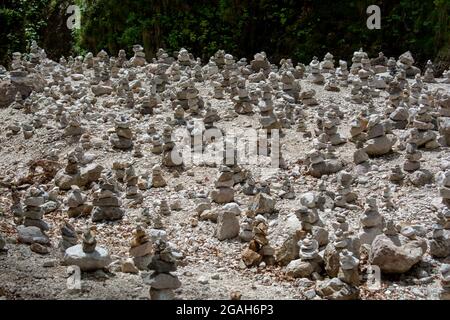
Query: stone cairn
[316, 76]
[268, 118]
[412, 158]
[444, 293]
[342, 73]
[122, 138]
[310, 220]
[332, 84]
[87, 256]
[132, 189]
[308, 98]
[440, 242]
[356, 61]
[33, 211]
[139, 56]
[428, 76]
[259, 250]
[223, 192]
[69, 237]
[178, 116]
[107, 203]
[310, 263]
[187, 96]
[171, 156]
[141, 249]
[443, 180]
[2, 244]
[162, 281]
[327, 65]
[77, 203]
[158, 180]
[422, 131]
[372, 222]
[242, 102]
[328, 129]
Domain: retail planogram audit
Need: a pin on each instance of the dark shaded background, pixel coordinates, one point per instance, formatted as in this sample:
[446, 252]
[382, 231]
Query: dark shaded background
[298, 29]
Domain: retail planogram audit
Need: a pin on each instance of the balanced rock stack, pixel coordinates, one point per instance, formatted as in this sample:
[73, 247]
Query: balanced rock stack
[259, 249]
[443, 181]
[309, 263]
[423, 124]
[2, 244]
[224, 192]
[378, 143]
[260, 63]
[107, 204]
[444, 294]
[372, 222]
[329, 130]
[131, 182]
[310, 220]
[327, 65]
[139, 56]
[343, 240]
[187, 96]
[158, 180]
[308, 97]
[316, 76]
[290, 86]
[122, 138]
[356, 61]
[242, 103]
[428, 76]
[69, 237]
[141, 249]
[34, 212]
[162, 281]
[332, 84]
[405, 62]
[412, 158]
[319, 165]
[440, 242]
[171, 155]
[76, 203]
[87, 256]
[342, 73]
[268, 118]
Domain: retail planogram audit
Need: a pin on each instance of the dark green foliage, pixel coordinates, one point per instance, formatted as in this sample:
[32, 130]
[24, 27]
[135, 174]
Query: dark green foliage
[282, 28]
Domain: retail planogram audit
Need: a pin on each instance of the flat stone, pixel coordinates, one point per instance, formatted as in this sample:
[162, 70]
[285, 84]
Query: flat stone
[96, 260]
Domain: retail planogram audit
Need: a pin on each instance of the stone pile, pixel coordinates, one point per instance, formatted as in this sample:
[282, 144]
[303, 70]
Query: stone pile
[259, 251]
[171, 155]
[33, 211]
[139, 56]
[268, 118]
[412, 158]
[87, 256]
[107, 203]
[310, 262]
[371, 221]
[405, 62]
[77, 203]
[162, 282]
[123, 136]
[327, 65]
[141, 249]
[316, 76]
[69, 236]
[428, 76]
[223, 192]
[242, 102]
